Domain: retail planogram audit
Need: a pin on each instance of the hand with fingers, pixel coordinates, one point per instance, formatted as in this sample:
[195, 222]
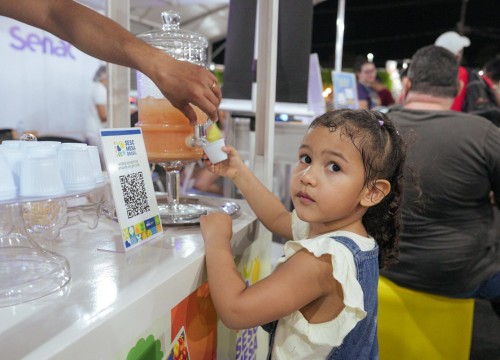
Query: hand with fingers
[229, 168]
[185, 84]
[216, 227]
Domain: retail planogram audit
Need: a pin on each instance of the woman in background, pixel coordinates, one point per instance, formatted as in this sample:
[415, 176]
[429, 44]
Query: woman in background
[97, 117]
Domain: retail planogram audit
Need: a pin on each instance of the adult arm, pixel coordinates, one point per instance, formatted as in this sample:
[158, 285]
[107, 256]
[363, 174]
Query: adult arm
[98, 36]
[492, 87]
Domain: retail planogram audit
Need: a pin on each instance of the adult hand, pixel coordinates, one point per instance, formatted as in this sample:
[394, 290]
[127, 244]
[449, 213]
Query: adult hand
[185, 84]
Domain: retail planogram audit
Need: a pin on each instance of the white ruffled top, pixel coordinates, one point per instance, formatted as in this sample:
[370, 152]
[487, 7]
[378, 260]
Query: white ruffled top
[295, 337]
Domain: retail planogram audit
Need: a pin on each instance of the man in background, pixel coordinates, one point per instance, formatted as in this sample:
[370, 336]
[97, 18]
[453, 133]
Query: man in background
[449, 245]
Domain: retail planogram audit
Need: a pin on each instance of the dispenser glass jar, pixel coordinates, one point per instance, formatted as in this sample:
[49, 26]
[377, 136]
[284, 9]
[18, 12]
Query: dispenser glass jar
[167, 132]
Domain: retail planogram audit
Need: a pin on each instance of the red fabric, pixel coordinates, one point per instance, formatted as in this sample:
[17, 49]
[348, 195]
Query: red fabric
[459, 99]
[386, 98]
[489, 82]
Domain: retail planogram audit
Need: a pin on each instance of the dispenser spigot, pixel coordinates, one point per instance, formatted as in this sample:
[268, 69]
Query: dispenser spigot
[200, 136]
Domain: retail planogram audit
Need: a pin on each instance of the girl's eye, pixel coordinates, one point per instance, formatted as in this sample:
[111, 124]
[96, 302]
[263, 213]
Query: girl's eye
[333, 167]
[305, 159]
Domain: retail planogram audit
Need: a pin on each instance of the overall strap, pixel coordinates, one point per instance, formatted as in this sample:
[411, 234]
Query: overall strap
[348, 243]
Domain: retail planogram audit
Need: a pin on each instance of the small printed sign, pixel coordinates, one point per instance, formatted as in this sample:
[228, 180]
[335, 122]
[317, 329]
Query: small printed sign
[345, 90]
[131, 185]
[179, 349]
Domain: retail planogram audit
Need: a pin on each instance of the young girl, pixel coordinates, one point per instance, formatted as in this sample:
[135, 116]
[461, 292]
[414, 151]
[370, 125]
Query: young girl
[346, 191]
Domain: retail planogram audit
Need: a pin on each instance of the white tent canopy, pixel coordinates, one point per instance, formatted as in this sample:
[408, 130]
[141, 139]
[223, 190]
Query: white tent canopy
[205, 17]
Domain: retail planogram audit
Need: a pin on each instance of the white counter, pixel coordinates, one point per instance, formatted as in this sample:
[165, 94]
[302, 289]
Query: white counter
[112, 298]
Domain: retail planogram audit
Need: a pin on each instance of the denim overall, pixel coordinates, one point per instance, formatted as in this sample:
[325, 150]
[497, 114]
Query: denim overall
[361, 343]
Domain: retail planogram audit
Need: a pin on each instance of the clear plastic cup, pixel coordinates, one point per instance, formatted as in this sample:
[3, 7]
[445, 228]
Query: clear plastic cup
[214, 151]
[14, 156]
[95, 160]
[73, 145]
[8, 188]
[16, 150]
[76, 168]
[39, 174]
[33, 145]
[38, 144]
[11, 144]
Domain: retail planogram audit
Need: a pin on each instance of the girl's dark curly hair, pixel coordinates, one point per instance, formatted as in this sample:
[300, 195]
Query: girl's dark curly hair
[383, 152]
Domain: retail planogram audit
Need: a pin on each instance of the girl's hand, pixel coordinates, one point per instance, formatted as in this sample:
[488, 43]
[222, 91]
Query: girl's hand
[229, 168]
[216, 227]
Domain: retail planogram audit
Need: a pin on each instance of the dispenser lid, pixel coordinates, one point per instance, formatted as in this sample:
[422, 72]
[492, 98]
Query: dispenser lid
[180, 44]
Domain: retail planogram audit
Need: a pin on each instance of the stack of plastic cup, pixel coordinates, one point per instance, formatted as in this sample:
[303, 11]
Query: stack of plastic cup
[76, 168]
[29, 146]
[14, 156]
[11, 144]
[8, 189]
[48, 168]
[95, 160]
[40, 175]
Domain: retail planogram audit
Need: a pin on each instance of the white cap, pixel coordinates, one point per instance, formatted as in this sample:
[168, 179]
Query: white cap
[452, 41]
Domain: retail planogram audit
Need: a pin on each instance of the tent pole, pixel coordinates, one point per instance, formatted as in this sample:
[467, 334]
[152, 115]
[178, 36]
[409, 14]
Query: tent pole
[339, 41]
[118, 108]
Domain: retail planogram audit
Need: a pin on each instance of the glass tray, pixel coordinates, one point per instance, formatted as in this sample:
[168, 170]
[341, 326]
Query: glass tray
[205, 204]
[29, 271]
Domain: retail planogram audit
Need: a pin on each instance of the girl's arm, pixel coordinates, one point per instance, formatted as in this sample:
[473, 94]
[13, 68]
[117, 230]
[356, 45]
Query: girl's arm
[294, 284]
[268, 208]
[181, 82]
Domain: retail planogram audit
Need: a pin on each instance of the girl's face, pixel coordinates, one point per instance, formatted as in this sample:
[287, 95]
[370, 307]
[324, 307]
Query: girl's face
[327, 183]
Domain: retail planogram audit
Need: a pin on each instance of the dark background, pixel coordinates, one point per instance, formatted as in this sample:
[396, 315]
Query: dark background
[294, 42]
[395, 29]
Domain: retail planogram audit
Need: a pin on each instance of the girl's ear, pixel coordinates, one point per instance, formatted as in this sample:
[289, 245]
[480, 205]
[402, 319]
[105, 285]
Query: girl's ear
[375, 193]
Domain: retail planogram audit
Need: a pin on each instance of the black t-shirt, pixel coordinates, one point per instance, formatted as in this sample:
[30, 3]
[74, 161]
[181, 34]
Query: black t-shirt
[449, 243]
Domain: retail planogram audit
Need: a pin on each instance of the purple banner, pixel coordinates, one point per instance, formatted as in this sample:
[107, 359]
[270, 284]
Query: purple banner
[26, 41]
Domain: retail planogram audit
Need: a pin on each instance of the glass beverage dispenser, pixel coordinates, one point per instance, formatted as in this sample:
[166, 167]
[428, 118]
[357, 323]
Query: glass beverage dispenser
[169, 138]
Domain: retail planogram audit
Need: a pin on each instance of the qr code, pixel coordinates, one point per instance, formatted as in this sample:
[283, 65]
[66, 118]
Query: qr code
[134, 193]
